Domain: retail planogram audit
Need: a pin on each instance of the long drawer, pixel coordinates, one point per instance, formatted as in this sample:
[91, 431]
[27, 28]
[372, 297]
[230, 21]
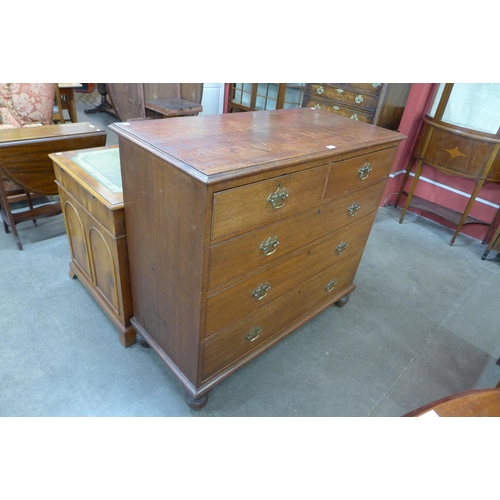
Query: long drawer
[369, 88]
[240, 255]
[239, 339]
[340, 109]
[243, 208]
[344, 96]
[240, 299]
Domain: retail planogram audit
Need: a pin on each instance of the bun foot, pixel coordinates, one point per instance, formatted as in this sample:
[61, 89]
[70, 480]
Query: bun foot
[342, 301]
[196, 403]
[141, 340]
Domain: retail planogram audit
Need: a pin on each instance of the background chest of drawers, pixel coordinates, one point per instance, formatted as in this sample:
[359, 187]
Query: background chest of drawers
[241, 227]
[381, 104]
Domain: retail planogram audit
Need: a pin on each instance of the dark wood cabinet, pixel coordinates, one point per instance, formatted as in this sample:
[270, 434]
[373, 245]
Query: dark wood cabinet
[243, 226]
[380, 104]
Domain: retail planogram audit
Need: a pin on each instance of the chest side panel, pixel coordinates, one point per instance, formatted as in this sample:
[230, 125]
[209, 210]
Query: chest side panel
[165, 214]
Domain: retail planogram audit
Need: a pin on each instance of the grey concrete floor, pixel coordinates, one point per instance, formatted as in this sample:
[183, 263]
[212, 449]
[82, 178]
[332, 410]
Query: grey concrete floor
[422, 324]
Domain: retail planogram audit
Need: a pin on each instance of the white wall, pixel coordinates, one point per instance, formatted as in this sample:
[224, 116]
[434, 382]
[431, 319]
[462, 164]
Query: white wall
[213, 99]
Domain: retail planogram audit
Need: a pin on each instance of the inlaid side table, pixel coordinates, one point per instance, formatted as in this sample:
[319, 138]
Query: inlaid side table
[90, 188]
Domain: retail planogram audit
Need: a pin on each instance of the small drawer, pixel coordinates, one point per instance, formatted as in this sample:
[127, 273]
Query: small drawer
[240, 299]
[241, 338]
[343, 95]
[112, 220]
[264, 246]
[340, 109]
[239, 209]
[359, 172]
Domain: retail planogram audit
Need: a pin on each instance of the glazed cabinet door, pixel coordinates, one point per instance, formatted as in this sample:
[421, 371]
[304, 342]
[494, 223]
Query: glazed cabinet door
[265, 96]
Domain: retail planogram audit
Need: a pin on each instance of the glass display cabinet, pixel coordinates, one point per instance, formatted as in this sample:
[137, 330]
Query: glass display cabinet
[459, 136]
[265, 96]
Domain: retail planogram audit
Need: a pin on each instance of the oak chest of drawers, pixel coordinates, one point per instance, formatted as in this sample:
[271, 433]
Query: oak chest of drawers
[241, 227]
[381, 104]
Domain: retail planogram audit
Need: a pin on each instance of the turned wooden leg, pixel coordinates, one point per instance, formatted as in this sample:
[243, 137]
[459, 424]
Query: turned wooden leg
[7, 216]
[343, 301]
[30, 204]
[405, 179]
[409, 196]
[196, 403]
[472, 199]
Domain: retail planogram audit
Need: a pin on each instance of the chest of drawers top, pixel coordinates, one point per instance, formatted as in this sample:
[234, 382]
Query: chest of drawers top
[216, 148]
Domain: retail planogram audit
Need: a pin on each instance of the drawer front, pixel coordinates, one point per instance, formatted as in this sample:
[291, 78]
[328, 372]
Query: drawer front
[242, 208]
[239, 339]
[112, 221]
[262, 247]
[339, 109]
[457, 154]
[359, 172]
[344, 96]
[244, 297]
[370, 88]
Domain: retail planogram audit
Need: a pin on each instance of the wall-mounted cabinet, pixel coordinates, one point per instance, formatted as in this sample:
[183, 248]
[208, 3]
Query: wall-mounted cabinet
[264, 96]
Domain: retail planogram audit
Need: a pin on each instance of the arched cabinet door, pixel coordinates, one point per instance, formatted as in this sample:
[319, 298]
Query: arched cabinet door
[77, 237]
[104, 268]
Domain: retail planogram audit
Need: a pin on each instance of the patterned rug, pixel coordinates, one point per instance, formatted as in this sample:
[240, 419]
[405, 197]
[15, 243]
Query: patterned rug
[88, 98]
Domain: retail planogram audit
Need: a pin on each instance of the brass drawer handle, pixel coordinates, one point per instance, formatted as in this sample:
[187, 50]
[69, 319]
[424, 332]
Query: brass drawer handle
[317, 106]
[340, 91]
[353, 209]
[269, 246]
[253, 334]
[364, 171]
[336, 108]
[261, 291]
[342, 247]
[320, 90]
[330, 285]
[277, 199]
[354, 117]
[359, 99]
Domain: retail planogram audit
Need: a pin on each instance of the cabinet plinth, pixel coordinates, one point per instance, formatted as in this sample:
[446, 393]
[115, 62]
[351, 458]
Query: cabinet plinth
[241, 227]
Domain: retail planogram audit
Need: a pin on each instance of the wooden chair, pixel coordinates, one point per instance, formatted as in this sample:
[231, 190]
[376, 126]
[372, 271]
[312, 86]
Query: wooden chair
[133, 101]
[65, 101]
